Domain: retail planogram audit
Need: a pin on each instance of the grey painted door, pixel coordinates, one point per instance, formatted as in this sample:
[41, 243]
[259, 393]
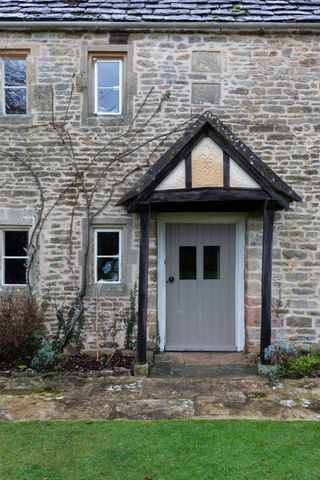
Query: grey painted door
[200, 271]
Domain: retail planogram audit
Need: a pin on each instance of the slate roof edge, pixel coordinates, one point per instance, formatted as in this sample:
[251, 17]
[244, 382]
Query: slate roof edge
[218, 27]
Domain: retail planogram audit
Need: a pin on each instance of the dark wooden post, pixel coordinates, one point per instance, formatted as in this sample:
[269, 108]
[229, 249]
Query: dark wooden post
[143, 284]
[266, 278]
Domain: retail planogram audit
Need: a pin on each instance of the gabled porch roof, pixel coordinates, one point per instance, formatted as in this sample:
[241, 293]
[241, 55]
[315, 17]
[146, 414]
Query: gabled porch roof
[265, 184]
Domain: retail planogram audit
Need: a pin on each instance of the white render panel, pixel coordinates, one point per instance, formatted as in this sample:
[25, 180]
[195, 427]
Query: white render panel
[207, 164]
[239, 178]
[175, 179]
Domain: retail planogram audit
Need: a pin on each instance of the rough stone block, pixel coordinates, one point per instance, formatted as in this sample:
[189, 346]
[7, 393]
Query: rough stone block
[41, 97]
[141, 370]
[208, 93]
[155, 409]
[209, 62]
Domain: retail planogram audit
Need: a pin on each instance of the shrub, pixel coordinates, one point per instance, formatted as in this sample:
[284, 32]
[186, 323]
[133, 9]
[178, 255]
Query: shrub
[306, 365]
[21, 325]
[291, 361]
[45, 358]
[280, 354]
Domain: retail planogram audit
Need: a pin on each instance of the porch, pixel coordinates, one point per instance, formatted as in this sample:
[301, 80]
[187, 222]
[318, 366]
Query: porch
[208, 180]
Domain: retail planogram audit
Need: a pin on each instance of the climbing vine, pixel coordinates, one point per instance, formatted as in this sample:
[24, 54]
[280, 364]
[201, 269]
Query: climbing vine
[81, 191]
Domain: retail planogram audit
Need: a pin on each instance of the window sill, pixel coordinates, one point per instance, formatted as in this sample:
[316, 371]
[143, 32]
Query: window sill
[16, 119]
[107, 289]
[108, 120]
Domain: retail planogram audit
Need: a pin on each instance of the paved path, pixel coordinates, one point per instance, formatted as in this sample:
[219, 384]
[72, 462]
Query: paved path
[74, 398]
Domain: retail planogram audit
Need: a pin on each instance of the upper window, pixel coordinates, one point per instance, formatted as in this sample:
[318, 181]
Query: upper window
[14, 86]
[108, 86]
[108, 256]
[14, 257]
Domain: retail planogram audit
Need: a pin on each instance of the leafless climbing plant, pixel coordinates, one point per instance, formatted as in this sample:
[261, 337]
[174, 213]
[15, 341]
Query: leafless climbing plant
[81, 192]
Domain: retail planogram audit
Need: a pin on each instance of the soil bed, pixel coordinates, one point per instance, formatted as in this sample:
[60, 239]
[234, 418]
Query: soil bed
[76, 363]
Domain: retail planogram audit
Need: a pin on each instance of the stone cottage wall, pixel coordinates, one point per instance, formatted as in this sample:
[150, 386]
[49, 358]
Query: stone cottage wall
[265, 88]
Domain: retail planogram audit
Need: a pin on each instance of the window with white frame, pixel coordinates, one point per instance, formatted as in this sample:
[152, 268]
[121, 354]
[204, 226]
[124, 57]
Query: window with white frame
[108, 86]
[14, 256]
[107, 256]
[14, 86]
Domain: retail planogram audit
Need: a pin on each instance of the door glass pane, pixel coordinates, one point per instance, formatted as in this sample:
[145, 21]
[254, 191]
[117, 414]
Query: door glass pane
[211, 262]
[15, 243]
[188, 263]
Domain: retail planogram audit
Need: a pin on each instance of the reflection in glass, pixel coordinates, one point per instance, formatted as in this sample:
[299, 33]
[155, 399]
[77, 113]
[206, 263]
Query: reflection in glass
[211, 262]
[108, 74]
[108, 269]
[15, 81]
[188, 263]
[14, 72]
[108, 100]
[108, 86]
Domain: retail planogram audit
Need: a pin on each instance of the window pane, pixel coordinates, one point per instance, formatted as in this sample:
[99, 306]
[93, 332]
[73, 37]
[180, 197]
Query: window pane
[211, 263]
[108, 243]
[108, 269]
[15, 72]
[188, 263]
[108, 74]
[16, 243]
[16, 101]
[108, 100]
[15, 271]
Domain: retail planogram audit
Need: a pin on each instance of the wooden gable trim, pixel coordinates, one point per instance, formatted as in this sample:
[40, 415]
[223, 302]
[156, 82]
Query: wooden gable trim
[245, 165]
[209, 126]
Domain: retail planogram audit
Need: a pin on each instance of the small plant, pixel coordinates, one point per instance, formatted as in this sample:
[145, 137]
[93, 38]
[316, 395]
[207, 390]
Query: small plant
[291, 361]
[45, 358]
[130, 342]
[280, 353]
[304, 366]
[64, 318]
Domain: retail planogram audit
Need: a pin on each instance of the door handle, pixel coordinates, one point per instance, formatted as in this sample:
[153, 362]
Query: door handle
[170, 280]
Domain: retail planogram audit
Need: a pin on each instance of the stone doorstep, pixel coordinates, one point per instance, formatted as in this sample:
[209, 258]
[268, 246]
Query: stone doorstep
[202, 358]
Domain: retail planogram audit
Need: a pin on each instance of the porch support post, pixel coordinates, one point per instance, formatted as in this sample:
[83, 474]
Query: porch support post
[266, 300]
[143, 284]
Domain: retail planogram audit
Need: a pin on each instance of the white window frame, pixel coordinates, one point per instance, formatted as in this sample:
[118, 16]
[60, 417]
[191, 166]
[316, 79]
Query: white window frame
[96, 256]
[5, 257]
[4, 86]
[119, 88]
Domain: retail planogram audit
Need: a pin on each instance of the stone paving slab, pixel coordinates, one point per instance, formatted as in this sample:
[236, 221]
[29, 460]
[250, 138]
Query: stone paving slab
[74, 398]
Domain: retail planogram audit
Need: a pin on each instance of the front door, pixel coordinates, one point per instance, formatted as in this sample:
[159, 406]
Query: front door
[200, 275]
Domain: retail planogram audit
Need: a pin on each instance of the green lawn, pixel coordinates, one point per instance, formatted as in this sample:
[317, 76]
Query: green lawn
[177, 450]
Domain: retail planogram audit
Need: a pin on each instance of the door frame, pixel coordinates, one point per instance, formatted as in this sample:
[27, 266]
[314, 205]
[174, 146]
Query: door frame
[237, 219]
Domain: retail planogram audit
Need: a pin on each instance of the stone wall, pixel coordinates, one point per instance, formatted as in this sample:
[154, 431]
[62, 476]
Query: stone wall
[265, 88]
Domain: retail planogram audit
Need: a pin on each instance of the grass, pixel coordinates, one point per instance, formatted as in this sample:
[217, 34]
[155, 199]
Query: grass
[176, 450]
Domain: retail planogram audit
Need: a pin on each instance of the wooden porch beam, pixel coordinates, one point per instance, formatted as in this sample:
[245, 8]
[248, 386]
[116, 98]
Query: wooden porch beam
[143, 284]
[266, 277]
